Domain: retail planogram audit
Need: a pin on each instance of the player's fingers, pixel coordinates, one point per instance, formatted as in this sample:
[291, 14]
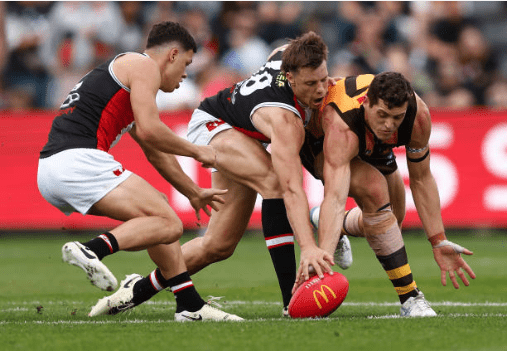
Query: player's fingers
[467, 252]
[318, 270]
[443, 278]
[462, 277]
[198, 215]
[469, 270]
[454, 281]
[329, 258]
[218, 198]
[299, 274]
[326, 266]
[219, 191]
[214, 206]
[206, 210]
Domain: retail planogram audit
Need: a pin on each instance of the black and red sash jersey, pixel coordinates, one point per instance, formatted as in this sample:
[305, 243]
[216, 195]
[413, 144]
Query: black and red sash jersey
[268, 87]
[95, 114]
[347, 97]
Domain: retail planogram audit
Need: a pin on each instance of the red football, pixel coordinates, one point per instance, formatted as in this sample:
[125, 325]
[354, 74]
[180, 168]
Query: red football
[319, 297]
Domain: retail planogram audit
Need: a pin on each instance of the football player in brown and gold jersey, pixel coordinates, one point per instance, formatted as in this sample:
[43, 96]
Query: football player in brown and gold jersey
[349, 146]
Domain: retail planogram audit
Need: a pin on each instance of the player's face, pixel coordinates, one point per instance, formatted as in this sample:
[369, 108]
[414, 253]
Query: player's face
[382, 120]
[175, 70]
[310, 85]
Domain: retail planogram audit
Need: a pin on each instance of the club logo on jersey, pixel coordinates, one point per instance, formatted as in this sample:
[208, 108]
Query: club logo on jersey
[118, 172]
[213, 125]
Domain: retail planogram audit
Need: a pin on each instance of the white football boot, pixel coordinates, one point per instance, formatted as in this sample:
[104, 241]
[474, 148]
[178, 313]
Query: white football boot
[120, 301]
[417, 307]
[343, 253]
[206, 313]
[79, 255]
[285, 312]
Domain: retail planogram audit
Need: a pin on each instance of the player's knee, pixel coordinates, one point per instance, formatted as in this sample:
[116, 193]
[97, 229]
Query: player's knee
[171, 230]
[270, 186]
[382, 232]
[219, 252]
[375, 193]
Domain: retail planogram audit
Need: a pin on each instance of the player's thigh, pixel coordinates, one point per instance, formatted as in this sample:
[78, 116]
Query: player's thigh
[227, 226]
[246, 161]
[368, 186]
[397, 195]
[134, 197]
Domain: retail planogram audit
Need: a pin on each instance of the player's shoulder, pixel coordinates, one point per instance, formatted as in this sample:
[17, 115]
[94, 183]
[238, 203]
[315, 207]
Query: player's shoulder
[131, 65]
[133, 61]
[348, 93]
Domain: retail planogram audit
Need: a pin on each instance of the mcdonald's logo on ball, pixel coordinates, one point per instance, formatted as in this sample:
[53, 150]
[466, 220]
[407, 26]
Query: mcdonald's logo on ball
[319, 297]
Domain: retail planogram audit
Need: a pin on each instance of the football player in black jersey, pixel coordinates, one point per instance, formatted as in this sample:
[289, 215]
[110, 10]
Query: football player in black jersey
[77, 174]
[350, 148]
[272, 106]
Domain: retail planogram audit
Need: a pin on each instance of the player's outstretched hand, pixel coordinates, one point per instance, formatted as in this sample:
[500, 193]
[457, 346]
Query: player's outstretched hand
[207, 197]
[448, 257]
[313, 261]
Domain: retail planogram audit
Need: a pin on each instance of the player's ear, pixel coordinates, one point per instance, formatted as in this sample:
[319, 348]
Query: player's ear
[173, 53]
[290, 77]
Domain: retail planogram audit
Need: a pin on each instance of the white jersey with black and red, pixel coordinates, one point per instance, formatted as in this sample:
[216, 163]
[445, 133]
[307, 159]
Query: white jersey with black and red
[268, 87]
[95, 114]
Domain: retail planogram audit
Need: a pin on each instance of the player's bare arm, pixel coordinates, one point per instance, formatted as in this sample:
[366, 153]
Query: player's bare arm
[170, 169]
[286, 132]
[341, 145]
[425, 193]
[142, 75]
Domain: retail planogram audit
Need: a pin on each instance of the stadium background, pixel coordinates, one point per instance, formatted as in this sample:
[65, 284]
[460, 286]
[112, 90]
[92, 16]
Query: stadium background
[453, 53]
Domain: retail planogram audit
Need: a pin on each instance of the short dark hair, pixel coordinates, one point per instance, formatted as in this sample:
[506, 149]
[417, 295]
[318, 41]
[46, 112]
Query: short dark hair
[308, 50]
[166, 32]
[391, 87]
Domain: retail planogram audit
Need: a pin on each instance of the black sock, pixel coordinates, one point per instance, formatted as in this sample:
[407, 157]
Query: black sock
[398, 271]
[103, 245]
[187, 297]
[150, 285]
[280, 242]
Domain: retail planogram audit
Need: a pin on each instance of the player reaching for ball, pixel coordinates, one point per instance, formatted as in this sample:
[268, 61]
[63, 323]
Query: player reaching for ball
[349, 146]
[77, 174]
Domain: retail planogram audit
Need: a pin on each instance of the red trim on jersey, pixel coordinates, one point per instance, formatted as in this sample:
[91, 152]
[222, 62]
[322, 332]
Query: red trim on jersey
[252, 134]
[116, 116]
[300, 109]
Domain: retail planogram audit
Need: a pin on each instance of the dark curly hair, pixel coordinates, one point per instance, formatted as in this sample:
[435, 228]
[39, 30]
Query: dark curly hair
[308, 50]
[166, 32]
[391, 87]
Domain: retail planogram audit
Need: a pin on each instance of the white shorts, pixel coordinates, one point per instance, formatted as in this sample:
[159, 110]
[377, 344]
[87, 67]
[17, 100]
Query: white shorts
[74, 180]
[203, 127]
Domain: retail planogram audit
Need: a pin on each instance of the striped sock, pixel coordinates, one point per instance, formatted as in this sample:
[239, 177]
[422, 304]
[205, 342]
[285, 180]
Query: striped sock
[147, 287]
[280, 242]
[400, 274]
[103, 245]
[187, 297]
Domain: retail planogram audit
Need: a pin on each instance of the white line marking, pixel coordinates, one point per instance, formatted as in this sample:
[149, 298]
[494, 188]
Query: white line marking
[268, 303]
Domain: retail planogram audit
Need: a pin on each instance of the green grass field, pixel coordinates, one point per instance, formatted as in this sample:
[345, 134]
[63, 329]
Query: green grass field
[44, 303]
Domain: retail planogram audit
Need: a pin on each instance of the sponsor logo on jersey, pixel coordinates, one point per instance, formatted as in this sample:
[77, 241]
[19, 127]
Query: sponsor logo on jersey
[280, 80]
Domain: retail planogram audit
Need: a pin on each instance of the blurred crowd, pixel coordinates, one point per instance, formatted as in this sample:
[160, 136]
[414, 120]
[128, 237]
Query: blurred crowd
[452, 52]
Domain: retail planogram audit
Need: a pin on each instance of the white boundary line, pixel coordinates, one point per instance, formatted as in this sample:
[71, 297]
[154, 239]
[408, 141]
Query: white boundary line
[266, 303]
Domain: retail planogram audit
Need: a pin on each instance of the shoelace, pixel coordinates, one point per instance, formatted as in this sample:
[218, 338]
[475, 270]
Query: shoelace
[422, 302]
[213, 301]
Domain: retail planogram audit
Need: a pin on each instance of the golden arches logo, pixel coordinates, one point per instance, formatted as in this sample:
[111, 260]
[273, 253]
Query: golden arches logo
[322, 294]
